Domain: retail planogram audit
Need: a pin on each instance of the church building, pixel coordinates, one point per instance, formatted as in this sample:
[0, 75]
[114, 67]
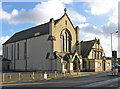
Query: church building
[53, 46]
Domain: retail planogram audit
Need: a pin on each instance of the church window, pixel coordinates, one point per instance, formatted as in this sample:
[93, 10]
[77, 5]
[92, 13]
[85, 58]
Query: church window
[62, 43]
[65, 42]
[66, 22]
[25, 50]
[100, 55]
[97, 55]
[7, 53]
[94, 55]
[18, 51]
[12, 52]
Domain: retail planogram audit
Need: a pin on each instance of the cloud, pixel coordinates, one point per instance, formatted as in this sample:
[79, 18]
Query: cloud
[3, 14]
[2, 40]
[102, 6]
[42, 13]
[14, 12]
[66, 1]
[76, 17]
[103, 33]
[114, 17]
[87, 11]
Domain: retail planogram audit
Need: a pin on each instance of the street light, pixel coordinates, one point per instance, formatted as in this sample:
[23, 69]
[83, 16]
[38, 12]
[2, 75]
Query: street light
[111, 39]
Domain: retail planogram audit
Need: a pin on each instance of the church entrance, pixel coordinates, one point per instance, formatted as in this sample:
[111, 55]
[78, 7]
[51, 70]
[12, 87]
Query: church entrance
[76, 64]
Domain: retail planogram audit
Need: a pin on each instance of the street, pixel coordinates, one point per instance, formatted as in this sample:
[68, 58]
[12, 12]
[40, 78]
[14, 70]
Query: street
[96, 80]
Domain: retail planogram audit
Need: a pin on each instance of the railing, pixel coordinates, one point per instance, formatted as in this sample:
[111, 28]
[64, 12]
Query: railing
[31, 76]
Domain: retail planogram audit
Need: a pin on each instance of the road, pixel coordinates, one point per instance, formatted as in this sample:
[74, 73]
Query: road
[96, 80]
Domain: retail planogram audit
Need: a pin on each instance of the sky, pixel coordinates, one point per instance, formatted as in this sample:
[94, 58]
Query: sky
[95, 18]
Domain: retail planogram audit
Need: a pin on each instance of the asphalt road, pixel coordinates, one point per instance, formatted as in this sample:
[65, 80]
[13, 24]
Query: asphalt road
[96, 80]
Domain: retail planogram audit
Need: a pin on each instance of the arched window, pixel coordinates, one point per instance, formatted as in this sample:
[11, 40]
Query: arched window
[62, 41]
[66, 41]
[67, 44]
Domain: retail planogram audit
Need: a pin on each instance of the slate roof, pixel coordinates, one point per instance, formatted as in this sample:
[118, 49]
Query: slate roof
[29, 33]
[86, 47]
[25, 34]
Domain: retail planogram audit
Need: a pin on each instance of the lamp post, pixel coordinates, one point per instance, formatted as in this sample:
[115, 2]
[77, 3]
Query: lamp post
[111, 39]
[111, 42]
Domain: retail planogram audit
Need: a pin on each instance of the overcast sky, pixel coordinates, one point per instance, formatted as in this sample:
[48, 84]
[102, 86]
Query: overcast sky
[97, 19]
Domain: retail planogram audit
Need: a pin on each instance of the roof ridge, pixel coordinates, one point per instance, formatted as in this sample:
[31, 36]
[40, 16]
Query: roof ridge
[87, 41]
[40, 28]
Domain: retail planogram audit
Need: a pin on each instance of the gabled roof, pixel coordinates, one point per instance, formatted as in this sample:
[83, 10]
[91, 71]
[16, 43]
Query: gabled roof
[29, 33]
[56, 21]
[86, 47]
[34, 31]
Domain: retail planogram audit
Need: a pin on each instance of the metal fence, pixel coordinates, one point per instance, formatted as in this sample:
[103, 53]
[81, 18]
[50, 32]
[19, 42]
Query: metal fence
[31, 76]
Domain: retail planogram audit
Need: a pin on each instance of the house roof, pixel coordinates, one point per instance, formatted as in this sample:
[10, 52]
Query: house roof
[86, 47]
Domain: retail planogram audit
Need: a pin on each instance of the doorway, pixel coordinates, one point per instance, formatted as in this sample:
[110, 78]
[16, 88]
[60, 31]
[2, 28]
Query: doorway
[104, 65]
[76, 64]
